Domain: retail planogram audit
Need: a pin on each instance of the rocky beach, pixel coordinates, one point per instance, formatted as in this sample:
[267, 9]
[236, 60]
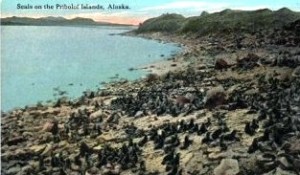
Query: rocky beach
[229, 104]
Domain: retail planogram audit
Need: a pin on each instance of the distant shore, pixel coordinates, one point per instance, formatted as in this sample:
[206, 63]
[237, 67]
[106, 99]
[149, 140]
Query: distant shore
[55, 21]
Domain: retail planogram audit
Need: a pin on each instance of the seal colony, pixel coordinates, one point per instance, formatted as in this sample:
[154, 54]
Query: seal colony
[224, 111]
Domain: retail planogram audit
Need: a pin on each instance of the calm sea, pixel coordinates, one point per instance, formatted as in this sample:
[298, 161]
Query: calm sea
[36, 61]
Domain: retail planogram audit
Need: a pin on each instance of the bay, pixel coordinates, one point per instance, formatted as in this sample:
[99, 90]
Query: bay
[38, 59]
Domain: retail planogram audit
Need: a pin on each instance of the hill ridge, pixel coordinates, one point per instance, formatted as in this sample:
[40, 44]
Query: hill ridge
[227, 20]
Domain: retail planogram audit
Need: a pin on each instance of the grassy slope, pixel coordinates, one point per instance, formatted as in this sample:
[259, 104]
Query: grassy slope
[220, 22]
[163, 23]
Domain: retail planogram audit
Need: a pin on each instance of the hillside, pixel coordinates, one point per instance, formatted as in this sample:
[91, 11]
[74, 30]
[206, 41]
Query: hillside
[164, 23]
[53, 21]
[220, 22]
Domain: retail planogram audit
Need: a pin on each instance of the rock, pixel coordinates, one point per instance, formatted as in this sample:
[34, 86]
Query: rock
[296, 72]
[13, 170]
[221, 64]
[98, 148]
[27, 134]
[75, 167]
[18, 152]
[34, 164]
[248, 62]
[193, 162]
[201, 66]
[279, 171]
[15, 140]
[216, 156]
[81, 132]
[92, 171]
[113, 118]
[47, 150]
[48, 126]
[105, 138]
[232, 89]
[181, 100]
[215, 96]
[213, 150]
[151, 78]
[284, 164]
[63, 144]
[45, 137]
[25, 170]
[139, 114]
[37, 149]
[98, 114]
[227, 167]
[294, 145]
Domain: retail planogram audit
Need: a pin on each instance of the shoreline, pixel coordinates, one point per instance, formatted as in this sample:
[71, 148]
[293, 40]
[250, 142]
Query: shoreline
[165, 65]
[209, 116]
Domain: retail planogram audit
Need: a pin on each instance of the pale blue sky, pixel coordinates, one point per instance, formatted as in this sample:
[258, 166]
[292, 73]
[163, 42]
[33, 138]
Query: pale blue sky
[142, 9]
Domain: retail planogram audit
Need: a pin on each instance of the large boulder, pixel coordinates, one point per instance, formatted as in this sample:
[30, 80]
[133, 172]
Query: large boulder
[215, 96]
[248, 62]
[227, 167]
[221, 64]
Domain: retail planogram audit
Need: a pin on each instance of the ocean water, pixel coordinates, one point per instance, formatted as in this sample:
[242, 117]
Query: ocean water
[36, 60]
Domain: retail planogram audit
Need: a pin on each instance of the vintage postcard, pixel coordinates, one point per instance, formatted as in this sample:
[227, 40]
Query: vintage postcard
[164, 87]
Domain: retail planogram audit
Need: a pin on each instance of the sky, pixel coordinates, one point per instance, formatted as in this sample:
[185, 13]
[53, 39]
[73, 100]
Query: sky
[140, 10]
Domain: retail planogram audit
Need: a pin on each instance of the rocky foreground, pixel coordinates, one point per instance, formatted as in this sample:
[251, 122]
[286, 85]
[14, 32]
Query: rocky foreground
[231, 106]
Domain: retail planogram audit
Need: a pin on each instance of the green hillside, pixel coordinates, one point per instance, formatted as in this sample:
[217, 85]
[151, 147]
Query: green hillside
[163, 23]
[225, 21]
